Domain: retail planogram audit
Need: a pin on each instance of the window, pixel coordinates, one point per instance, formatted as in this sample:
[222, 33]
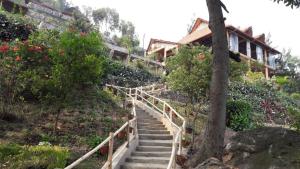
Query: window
[234, 42]
[259, 54]
[271, 60]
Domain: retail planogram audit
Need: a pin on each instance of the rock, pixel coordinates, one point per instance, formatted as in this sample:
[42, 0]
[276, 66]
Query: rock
[227, 157]
[212, 163]
[268, 147]
[246, 155]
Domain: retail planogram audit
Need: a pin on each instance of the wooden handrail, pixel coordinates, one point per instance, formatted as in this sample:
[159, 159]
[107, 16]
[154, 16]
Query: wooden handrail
[110, 138]
[133, 93]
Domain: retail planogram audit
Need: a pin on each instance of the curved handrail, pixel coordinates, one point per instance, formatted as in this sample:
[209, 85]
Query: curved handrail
[180, 130]
[108, 139]
[133, 94]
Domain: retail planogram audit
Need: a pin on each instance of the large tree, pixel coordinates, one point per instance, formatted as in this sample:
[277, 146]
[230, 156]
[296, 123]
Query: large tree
[213, 142]
[106, 19]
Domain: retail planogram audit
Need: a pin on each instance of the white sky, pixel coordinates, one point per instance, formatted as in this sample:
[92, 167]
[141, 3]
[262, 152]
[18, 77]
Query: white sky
[168, 19]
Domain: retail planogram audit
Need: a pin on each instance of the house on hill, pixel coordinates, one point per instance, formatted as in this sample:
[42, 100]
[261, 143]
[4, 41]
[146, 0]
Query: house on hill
[253, 49]
[161, 49]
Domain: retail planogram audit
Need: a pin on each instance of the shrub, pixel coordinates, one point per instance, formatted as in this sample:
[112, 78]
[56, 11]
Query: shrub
[94, 141]
[24, 157]
[237, 70]
[238, 115]
[14, 27]
[295, 117]
[295, 96]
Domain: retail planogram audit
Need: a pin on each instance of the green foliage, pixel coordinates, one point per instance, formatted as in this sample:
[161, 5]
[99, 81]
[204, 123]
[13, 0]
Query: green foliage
[238, 115]
[80, 22]
[257, 95]
[255, 77]
[296, 96]
[94, 140]
[14, 27]
[295, 114]
[108, 17]
[291, 3]
[237, 70]
[282, 80]
[23, 157]
[122, 75]
[189, 73]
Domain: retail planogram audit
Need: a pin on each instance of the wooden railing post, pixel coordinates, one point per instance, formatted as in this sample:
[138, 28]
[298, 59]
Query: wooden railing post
[110, 151]
[180, 139]
[164, 108]
[128, 133]
[171, 114]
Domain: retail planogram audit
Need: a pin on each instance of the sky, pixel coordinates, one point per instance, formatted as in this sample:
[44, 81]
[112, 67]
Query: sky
[169, 19]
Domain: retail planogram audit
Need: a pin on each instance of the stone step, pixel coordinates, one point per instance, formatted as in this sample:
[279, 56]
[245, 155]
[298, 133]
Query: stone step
[129, 165]
[155, 136]
[151, 128]
[152, 160]
[153, 149]
[165, 143]
[141, 131]
[151, 154]
[150, 125]
[149, 122]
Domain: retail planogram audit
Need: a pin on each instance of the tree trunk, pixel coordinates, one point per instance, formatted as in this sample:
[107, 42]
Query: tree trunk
[213, 142]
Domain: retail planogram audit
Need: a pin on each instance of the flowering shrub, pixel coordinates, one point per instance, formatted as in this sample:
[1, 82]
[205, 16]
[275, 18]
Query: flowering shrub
[49, 64]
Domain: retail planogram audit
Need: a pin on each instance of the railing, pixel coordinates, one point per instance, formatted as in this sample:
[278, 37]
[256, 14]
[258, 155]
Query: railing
[142, 95]
[168, 112]
[110, 140]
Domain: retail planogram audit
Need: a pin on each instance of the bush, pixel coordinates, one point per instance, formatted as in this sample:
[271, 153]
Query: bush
[295, 117]
[238, 115]
[14, 27]
[122, 75]
[295, 96]
[24, 157]
[94, 141]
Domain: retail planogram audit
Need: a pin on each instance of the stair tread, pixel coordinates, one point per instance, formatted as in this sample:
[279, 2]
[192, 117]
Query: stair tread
[146, 158]
[144, 165]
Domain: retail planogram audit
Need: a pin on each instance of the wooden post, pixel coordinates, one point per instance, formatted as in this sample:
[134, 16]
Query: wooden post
[180, 145]
[171, 114]
[111, 148]
[266, 63]
[128, 133]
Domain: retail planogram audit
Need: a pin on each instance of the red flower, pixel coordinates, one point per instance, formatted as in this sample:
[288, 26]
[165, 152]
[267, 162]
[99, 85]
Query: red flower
[16, 49]
[4, 48]
[18, 58]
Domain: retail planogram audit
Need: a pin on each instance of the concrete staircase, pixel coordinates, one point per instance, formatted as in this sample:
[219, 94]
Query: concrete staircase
[155, 144]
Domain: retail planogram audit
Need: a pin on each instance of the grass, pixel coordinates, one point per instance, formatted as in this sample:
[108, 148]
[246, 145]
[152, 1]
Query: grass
[92, 114]
[24, 157]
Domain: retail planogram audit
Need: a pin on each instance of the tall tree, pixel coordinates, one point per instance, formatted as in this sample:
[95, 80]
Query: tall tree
[107, 20]
[213, 142]
[291, 3]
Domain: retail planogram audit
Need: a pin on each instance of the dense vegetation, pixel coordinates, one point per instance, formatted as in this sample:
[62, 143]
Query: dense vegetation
[53, 106]
[14, 27]
[253, 100]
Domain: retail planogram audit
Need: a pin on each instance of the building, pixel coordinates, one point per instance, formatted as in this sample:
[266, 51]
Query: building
[43, 14]
[252, 49]
[161, 49]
